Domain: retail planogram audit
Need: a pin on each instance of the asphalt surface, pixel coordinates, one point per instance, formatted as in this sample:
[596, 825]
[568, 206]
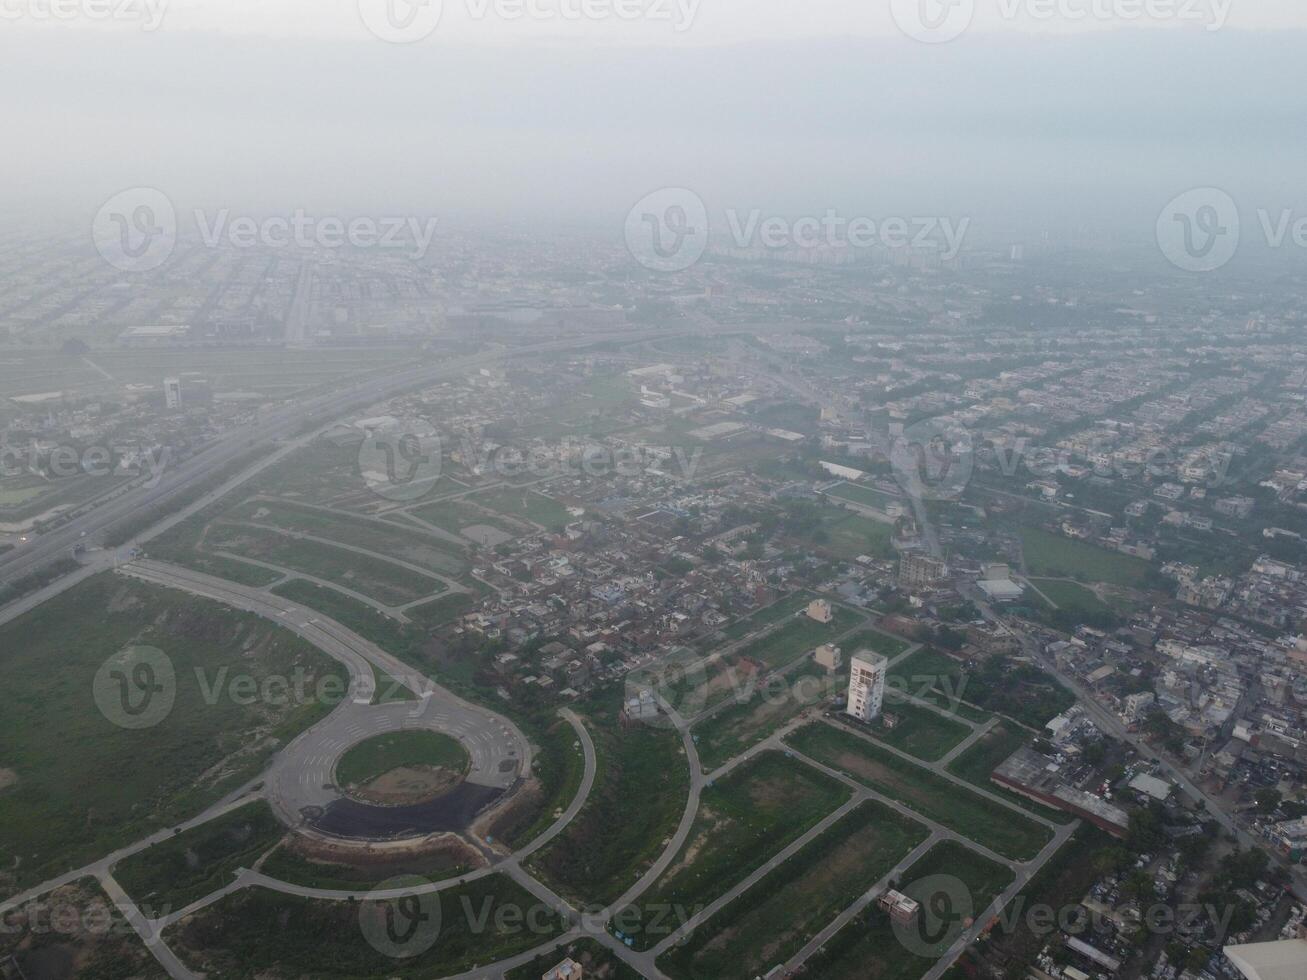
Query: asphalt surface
[300, 786]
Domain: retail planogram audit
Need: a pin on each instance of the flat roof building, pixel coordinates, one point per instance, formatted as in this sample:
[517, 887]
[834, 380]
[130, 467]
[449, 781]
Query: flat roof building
[1038, 778]
[867, 685]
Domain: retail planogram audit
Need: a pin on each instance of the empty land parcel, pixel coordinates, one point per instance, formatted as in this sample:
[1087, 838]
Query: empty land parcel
[987, 823]
[773, 920]
[744, 820]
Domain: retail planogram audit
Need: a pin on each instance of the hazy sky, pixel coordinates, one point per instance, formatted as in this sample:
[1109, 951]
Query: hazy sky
[790, 107]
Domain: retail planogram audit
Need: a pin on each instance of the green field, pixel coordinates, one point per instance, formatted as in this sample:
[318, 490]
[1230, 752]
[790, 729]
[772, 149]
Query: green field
[526, 505]
[637, 801]
[877, 641]
[850, 536]
[286, 864]
[775, 918]
[976, 763]
[869, 948]
[558, 764]
[176, 872]
[456, 514]
[737, 727]
[920, 731]
[744, 820]
[1054, 556]
[416, 547]
[439, 612]
[60, 810]
[258, 933]
[377, 756]
[997, 684]
[376, 578]
[866, 496]
[788, 606]
[987, 823]
[796, 638]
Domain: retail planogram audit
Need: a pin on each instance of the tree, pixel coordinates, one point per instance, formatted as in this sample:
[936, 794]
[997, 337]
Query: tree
[1268, 799]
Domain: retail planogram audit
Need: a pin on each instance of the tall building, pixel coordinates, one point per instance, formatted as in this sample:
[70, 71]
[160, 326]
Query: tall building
[172, 393]
[867, 685]
[918, 571]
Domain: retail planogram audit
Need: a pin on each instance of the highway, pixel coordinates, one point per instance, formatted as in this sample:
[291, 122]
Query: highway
[272, 428]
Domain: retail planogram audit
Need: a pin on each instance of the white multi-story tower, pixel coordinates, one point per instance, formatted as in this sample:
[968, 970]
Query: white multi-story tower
[172, 393]
[867, 685]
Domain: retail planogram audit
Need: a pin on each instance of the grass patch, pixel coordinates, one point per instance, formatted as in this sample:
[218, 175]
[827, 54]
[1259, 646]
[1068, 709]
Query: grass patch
[255, 932]
[779, 915]
[558, 761]
[744, 819]
[1054, 556]
[850, 536]
[525, 504]
[388, 583]
[999, 685]
[877, 640]
[866, 496]
[868, 948]
[456, 514]
[797, 638]
[774, 613]
[439, 612]
[183, 869]
[288, 865]
[934, 797]
[921, 731]
[740, 726]
[86, 786]
[377, 756]
[636, 803]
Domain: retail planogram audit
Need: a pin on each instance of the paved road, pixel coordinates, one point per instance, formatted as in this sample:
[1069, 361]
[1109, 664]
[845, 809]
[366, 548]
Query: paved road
[303, 774]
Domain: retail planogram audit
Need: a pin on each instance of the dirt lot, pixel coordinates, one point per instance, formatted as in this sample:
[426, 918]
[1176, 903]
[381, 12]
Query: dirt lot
[409, 784]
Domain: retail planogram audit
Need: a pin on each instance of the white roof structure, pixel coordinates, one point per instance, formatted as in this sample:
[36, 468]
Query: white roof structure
[1285, 960]
[1158, 789]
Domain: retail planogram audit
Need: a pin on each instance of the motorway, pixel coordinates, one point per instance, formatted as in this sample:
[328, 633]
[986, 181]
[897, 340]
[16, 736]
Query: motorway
[272, 428]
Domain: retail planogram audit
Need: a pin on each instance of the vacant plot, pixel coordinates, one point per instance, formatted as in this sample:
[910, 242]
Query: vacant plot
[775, 918]
[524, 504]
[63, 811]
[744, 819]
[558, 764]
[997, 684]
[176, 872]
[878, 640]
[458, 514]
[774, 704]
[376, 578]
[939, 799]
[796, 638]
[415, 546]
[870, 948]
[258, 933]
[849, 536]
[1054, 556]
[976, 763]
[920, 731]
[378, 756]
[774, 613]
[300, 862]
[635, 805]
[439, 612]
[866, 496]
[74, 931]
